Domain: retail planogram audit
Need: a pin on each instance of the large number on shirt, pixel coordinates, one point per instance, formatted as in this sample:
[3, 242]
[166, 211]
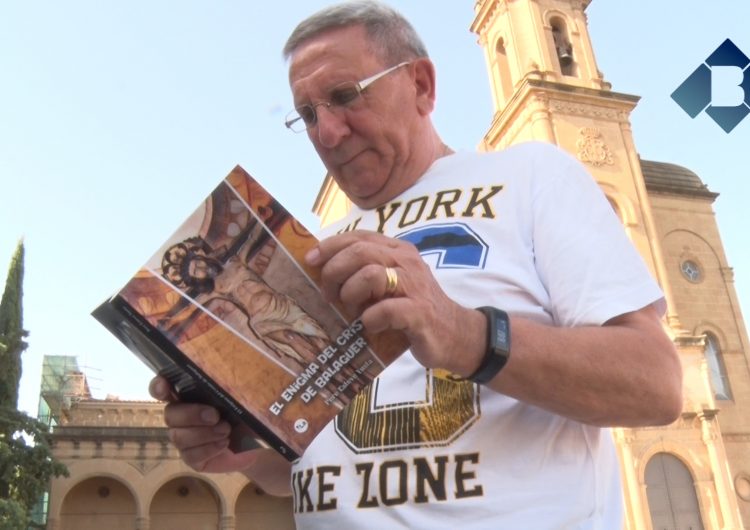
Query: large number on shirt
[455, 244]
[450, 405]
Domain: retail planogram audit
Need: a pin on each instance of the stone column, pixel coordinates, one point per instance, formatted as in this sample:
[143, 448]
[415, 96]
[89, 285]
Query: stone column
[541, 122]
[227, 522]
[727, 501]
[634, 512]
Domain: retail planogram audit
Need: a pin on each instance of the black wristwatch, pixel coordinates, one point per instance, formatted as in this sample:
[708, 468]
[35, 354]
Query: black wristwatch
[498, 345]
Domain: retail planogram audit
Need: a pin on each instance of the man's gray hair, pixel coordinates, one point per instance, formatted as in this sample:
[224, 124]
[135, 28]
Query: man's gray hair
[392, 36]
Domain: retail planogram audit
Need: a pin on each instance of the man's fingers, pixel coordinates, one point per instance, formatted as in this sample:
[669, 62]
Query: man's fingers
[332, 245]
[190, 415]
[207, 459]
[200, 457]
[160, 389]
[187, 437]
[199, 446]
[365, 286]
[391, 313]
[361, 267]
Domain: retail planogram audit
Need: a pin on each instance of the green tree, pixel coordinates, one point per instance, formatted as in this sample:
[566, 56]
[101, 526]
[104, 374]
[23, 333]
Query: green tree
[12, 343]
[26, 463]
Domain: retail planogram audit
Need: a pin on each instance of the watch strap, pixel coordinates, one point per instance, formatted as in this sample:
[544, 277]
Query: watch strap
[498, 345]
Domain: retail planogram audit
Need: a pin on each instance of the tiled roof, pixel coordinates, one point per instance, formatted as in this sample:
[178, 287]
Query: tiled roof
[671, 178]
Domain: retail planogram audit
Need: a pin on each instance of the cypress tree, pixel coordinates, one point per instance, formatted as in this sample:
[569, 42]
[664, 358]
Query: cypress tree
[12, 334]
[26, 462]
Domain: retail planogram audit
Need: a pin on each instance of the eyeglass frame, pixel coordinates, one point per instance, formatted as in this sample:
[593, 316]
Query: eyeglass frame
[359, 87]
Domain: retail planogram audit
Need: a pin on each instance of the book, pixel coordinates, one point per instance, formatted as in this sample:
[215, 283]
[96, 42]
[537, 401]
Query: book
[229, 313]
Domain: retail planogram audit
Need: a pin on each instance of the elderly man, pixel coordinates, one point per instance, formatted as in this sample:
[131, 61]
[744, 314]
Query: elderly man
[462, 252]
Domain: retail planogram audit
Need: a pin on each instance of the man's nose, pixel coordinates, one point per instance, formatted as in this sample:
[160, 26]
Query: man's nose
[331, 126]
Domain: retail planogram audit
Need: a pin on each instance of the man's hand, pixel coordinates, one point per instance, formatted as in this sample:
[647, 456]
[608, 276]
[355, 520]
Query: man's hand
[202, 438]
[353, 272]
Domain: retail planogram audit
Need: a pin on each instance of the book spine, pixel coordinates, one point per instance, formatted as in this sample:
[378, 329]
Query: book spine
[190, 383]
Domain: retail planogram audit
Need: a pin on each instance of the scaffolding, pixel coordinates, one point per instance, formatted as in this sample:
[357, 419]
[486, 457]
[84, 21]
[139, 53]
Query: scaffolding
[63, 383]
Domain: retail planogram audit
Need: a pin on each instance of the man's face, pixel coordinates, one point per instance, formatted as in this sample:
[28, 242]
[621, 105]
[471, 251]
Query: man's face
[201, 269]
[369, 149]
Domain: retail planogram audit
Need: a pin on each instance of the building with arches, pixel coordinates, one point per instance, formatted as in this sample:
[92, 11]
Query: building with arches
[125, 475]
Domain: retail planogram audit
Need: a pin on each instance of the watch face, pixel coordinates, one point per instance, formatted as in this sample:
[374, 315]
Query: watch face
[502, 333]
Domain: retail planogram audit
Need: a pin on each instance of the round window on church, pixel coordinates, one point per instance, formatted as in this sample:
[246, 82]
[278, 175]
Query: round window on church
[691, 270]
[742, 486]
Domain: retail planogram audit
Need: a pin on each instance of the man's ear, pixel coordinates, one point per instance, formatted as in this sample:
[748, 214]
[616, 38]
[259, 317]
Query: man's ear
[424, 81]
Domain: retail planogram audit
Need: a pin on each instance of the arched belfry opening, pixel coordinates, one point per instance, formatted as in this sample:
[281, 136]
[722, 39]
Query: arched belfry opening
[563, 46]
[503, 69]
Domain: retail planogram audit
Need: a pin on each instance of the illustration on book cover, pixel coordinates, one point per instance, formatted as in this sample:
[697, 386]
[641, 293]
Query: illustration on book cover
[230, 289]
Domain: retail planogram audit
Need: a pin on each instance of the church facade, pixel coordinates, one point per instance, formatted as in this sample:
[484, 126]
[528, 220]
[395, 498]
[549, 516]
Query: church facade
[546, 86]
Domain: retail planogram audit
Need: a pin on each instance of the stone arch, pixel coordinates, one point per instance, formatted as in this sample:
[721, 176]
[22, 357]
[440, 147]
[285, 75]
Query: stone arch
[622, 205]
[98, 501]
[184, 501]
[716, 366]
[708, 326]
[502, 66]
[81, 471]
[552, 13]
[699, 470]
[256, 509]
[681, 245]
[672, 493]
[178, 469]
[682, 231]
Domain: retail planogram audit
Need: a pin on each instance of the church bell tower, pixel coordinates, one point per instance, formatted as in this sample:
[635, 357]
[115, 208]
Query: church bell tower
[546, 87]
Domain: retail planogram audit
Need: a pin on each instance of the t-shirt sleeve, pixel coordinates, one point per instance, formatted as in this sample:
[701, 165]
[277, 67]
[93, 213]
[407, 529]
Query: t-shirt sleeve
[582, 254]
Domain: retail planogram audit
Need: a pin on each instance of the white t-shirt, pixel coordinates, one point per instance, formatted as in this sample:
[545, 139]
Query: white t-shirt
[526, 230]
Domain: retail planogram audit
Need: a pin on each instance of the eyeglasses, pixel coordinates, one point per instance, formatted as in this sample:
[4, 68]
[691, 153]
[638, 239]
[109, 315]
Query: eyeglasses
[345, 95]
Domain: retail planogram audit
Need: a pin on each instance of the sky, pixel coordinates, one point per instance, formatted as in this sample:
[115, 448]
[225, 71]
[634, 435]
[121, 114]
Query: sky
[118, 118]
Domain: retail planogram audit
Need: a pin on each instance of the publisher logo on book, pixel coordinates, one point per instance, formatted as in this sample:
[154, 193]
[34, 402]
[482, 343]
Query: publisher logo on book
[720, 86]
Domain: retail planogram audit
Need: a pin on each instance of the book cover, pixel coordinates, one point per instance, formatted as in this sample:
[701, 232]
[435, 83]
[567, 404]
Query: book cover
[230, 314]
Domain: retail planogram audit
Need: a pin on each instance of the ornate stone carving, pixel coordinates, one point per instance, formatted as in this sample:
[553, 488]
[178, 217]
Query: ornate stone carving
[582, 109]
[592, 149]
[736, 437]
[542, 101]
[727, 273]
[144, 466]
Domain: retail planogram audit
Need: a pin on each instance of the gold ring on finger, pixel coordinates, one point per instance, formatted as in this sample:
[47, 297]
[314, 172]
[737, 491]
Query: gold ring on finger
[391, 281]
